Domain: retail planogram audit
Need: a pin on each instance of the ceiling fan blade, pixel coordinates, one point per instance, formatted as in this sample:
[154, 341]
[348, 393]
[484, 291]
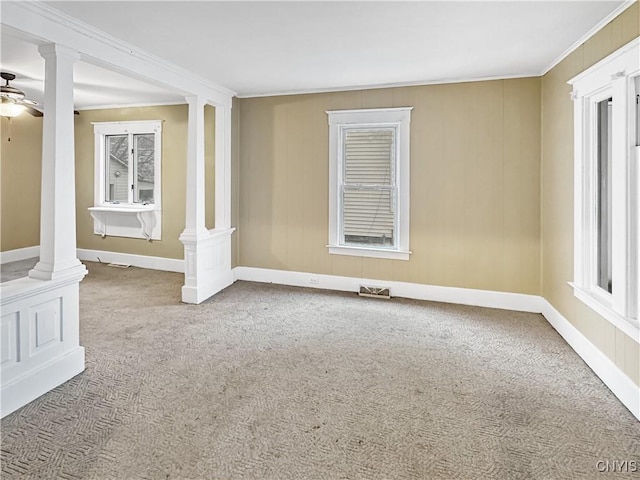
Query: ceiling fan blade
[33, 111]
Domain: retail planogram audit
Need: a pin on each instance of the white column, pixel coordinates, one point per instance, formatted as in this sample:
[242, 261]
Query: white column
[195, 219]
[195, 235]
[58, 206]
[223, 168]
[207, 253]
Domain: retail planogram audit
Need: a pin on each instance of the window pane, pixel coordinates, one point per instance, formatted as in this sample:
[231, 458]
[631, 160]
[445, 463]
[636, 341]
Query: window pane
[604, 202]
[117, 175]
[144, 146]
[637, 81]
[369, 217]
[369, 156]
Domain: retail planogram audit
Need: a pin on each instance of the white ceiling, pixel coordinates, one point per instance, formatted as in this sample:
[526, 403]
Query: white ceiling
[258, 48]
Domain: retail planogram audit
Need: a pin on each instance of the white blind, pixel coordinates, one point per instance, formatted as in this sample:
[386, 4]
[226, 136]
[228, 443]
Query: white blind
[368, 193]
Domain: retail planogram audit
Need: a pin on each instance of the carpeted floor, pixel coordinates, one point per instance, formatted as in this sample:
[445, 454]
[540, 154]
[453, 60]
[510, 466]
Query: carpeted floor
[271, 382]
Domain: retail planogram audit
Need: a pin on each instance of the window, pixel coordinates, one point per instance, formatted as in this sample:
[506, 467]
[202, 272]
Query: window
[127, 184]
[607, 187]
[128, 162]
[369, 182]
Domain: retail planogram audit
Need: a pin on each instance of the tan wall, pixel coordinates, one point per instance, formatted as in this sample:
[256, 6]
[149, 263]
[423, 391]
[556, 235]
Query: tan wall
[209, 166]
[557, 193]
[20, 172]
[235, 179]
[475, 184]
[174, 153]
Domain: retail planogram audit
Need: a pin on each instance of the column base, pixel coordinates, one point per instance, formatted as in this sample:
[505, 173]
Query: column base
[48, 271]
[207, 264]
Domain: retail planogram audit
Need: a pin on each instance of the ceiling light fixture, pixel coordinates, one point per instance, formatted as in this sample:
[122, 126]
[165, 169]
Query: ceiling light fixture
[10, 109]
[13, 101]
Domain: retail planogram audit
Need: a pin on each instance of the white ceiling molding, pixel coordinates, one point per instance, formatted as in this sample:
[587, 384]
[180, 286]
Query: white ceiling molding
[104, 50]
[601, 24]
[130, 105]
[388, 85]
[262, 49]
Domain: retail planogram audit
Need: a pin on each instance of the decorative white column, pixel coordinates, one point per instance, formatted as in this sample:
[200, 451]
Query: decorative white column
[58, 206]
[195, 220]
[40, 313]
[207, 253]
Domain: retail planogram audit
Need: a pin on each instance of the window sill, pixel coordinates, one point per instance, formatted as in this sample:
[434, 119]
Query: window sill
[126, 220]
[628, 326]
[369, 252]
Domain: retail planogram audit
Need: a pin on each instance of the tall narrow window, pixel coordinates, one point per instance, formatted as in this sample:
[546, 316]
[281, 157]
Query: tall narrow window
[369, 182]
[607, 188]
[604, 198]
[369, 189]
[144, 167]
[117, 175]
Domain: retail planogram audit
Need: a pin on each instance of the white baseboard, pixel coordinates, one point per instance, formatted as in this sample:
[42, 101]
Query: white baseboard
[19, 254]
[464, 296]
[621, 385]
[142, 261]
[204, 291]
[39, 381]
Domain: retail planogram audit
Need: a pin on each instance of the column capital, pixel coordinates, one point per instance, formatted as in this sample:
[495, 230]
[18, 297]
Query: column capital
[196, 100]
[51, 50]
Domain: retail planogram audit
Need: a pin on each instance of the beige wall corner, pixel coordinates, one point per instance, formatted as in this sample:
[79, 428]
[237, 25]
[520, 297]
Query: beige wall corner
[557, 192]
[475, 185]
[21, 166]
[235, 181]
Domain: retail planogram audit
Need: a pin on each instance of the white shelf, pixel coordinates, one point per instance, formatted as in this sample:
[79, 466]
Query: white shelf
[134, 221]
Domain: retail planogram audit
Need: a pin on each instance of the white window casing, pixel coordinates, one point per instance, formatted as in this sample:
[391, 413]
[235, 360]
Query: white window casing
[122, 205]
[616, 78]
[369, 161]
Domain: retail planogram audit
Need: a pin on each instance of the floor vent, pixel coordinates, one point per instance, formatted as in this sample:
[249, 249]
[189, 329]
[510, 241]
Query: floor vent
[377, 292]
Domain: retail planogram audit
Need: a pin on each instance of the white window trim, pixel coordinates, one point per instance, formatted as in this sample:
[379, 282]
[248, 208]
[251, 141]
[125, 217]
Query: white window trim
[400, 119]
[133, 220]
[611, 77]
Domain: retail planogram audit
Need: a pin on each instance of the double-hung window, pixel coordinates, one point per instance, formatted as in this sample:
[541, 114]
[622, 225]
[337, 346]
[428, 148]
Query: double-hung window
[607, 187]
[369, 182]
[127, 188]
[128, 162]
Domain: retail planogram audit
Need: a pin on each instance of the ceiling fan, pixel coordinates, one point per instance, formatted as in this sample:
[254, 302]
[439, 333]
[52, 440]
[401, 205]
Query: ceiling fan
[12, 100]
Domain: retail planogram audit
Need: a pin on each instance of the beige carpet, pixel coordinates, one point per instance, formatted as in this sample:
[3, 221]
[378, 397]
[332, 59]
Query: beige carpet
[269, 382]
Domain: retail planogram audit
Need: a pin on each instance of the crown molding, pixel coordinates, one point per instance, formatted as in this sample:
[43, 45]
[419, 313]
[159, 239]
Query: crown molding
[599, 26]
[44, 24]
[352, 88]
[130, 105]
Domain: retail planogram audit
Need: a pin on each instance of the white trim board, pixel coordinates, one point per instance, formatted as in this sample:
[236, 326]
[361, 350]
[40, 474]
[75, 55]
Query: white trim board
[41, 380]
[620, 384]
[596, 28]
[463, 296]
[19, 254]
[142, 261]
